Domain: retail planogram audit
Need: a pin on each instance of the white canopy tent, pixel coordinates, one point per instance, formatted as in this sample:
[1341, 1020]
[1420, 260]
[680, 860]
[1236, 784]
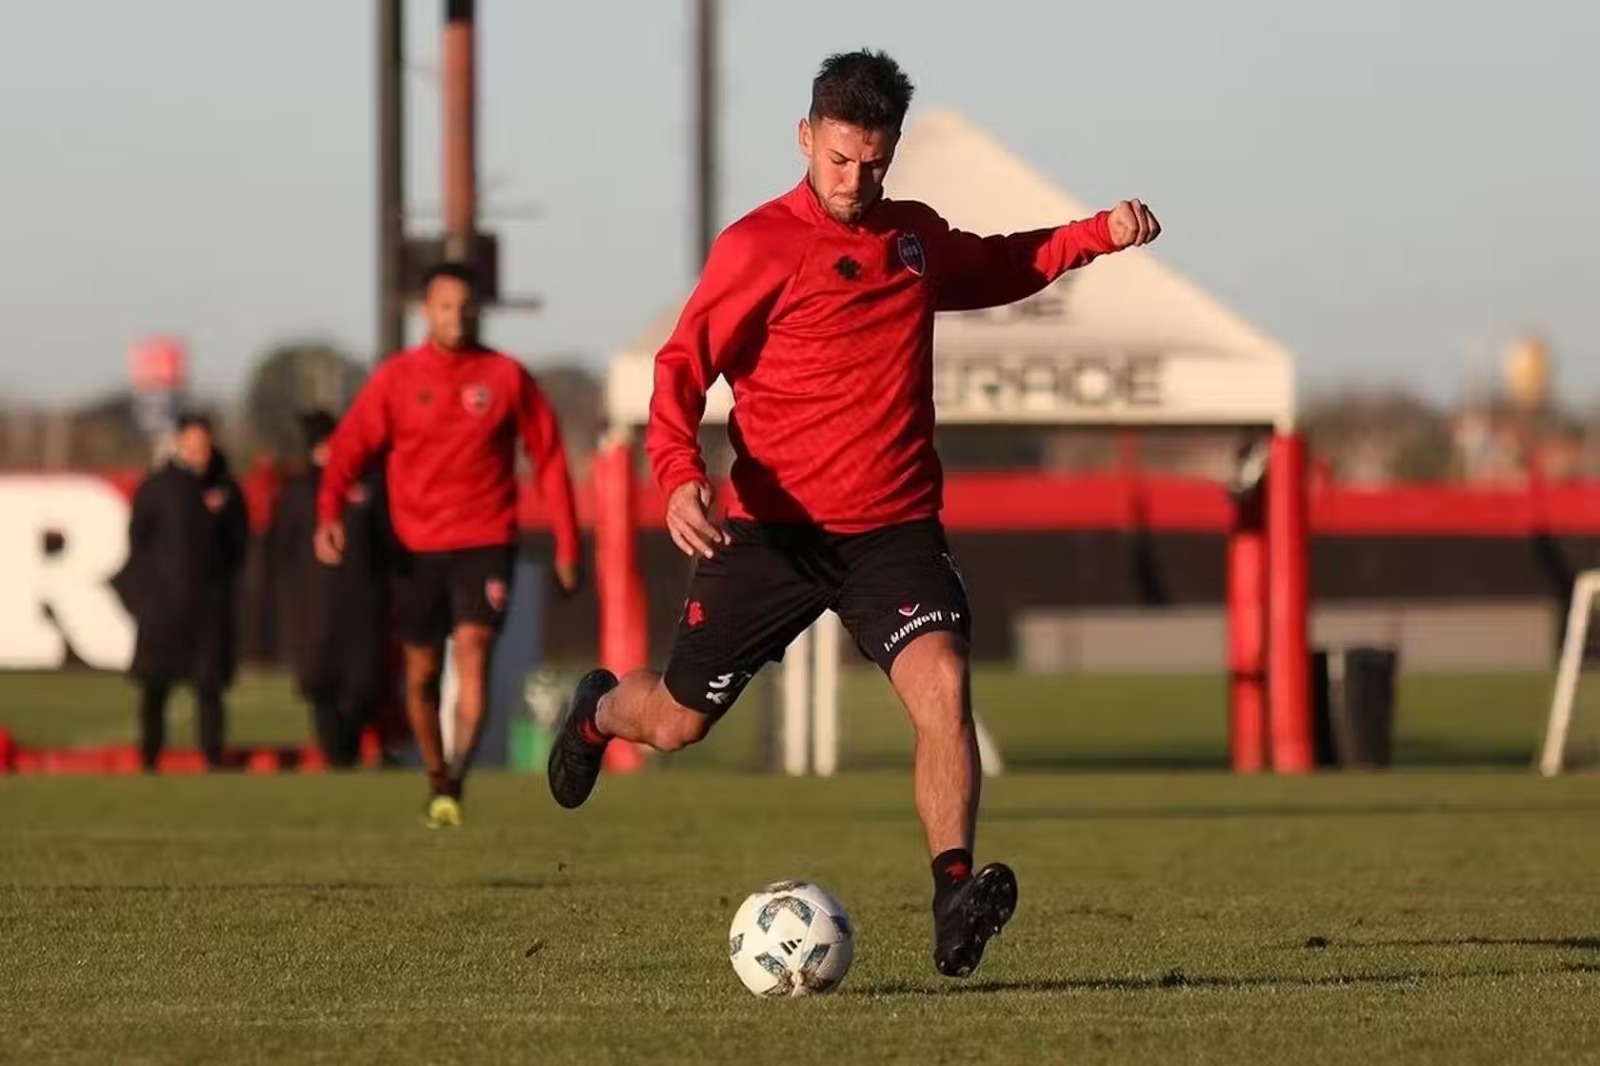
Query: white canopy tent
[1124, 342]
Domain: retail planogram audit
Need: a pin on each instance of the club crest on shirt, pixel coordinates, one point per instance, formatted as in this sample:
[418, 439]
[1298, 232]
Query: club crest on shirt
[475, 398]
[909, 246]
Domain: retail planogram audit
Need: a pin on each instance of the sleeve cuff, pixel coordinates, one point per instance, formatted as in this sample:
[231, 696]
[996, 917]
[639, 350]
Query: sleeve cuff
[676, 478]
[1099, 228]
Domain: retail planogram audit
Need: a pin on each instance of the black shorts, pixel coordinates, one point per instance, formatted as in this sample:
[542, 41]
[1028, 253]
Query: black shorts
[436, 591]
[756, 595]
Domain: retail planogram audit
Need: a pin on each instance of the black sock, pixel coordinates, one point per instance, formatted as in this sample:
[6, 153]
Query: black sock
[439, 784]
[950, 870]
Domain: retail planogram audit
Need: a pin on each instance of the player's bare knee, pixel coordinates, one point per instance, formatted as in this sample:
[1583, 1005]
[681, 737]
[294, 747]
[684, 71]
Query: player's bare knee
[422, 688]
[469, 649]
[422, 682]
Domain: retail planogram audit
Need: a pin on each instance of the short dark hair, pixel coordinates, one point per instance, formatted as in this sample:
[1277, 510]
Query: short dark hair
[865, 89]
[459, 271]
[196, 420]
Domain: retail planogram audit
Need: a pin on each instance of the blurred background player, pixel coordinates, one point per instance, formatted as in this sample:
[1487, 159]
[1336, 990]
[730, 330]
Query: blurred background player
[448, 414]
[818, 308]
[335, 616]
[187, 540]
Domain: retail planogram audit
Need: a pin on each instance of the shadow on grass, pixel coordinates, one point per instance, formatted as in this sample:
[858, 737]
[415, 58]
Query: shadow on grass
[1409, 755]
[1085, 761]
[524, 884]
[1274, 810]
[271, 887]
[1569, 943]
[1444, 754]
[1167, 982]
[215, 889]
[1176, 980]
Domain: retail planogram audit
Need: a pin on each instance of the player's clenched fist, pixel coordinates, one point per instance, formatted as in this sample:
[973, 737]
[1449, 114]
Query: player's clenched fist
[1132, 223]
[689, 520]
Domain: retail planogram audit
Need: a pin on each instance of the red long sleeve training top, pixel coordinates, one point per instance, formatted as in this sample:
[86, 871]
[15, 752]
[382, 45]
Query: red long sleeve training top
[825, 332]
[450, 423]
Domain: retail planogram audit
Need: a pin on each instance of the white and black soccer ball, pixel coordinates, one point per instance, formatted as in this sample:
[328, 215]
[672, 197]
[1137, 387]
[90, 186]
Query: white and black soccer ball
[791, 939]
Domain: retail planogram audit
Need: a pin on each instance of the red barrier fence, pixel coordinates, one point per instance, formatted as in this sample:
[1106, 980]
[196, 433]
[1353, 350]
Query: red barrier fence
[1117, 500]
[1163, 503]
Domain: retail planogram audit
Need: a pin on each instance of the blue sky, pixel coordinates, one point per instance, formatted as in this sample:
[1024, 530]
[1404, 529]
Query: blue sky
[1390, 187]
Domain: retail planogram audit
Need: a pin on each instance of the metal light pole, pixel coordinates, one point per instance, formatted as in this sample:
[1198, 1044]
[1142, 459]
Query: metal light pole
[704, 74]
[391, 177]
[458, 84]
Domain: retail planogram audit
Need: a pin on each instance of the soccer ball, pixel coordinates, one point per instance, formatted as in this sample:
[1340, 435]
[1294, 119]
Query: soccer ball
[791, 939]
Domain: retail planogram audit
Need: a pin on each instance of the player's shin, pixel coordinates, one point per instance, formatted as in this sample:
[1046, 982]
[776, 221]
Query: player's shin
[422, 708]
[641, 710]
[931, 679]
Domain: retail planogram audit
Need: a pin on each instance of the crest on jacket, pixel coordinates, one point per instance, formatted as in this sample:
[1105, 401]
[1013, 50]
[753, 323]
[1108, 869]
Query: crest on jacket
[475, 398]
[909, 245]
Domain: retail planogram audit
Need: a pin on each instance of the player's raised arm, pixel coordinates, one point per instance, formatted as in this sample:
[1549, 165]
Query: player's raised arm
[990, 271]
[362, 433]
[542, 437]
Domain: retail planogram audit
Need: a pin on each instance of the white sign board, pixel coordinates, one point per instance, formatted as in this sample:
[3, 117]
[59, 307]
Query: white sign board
[995, 386]
[61, 541]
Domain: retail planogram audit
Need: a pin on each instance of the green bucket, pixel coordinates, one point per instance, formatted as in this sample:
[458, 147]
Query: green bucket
[530, 745]
[545, 695]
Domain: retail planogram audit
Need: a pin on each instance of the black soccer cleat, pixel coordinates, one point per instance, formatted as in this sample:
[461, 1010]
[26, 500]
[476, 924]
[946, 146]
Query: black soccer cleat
[578, 748]
[972, 913]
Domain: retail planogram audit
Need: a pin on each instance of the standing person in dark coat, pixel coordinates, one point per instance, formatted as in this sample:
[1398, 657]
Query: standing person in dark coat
[335, 615]
[186, 546]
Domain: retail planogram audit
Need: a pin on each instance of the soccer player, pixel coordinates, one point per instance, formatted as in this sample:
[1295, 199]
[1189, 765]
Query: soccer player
[448, 414]
[818, 308]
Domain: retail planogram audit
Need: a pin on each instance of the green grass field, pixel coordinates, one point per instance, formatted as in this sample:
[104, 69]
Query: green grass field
[1443, 912]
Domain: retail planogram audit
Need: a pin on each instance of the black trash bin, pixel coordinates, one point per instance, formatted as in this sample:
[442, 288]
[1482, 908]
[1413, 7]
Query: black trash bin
[1353, 698]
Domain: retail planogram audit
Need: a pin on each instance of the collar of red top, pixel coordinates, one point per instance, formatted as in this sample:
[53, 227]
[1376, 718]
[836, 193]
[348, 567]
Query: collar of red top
[433, 349]
[808, 204]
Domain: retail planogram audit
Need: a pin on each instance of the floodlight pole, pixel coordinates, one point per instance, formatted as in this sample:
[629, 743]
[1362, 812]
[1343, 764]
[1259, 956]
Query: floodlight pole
[391, 176]
[704, 74]
[458, 61]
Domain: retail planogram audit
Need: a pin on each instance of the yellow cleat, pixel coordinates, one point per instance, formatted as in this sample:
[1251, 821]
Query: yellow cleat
[443, 813]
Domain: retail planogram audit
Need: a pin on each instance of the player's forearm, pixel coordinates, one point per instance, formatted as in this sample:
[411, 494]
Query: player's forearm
[1032, 260]
[361, 435]
[674, 464]
[344, 465]
[1076, 244]
[1002, 269]
[555, 488]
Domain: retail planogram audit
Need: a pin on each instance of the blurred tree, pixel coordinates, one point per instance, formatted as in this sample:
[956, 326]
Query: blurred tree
[106, 434]
[294, 378]
[1380, 435]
